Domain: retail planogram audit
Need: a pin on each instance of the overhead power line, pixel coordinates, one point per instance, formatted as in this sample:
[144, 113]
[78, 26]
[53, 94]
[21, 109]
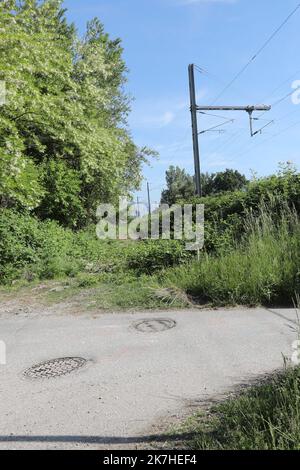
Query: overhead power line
[260, 50]
[195, 108]
[244, 149]
[214, 115]
[283, 131]
[280, 100]
[215, 127]
[203, 71]
[229, 141]
[285, 96]
[288, 80]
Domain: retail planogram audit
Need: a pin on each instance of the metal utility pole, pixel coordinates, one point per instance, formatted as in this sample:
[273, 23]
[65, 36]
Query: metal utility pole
[195, 108]
[138, 214]
[149, 199]
[195, 129]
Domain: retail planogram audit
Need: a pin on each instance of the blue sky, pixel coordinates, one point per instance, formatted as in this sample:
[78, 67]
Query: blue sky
[161, 37]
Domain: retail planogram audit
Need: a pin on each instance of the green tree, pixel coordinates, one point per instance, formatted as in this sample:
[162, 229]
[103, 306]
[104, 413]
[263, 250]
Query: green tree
[228, 180]
[180, 185]
[65, 115]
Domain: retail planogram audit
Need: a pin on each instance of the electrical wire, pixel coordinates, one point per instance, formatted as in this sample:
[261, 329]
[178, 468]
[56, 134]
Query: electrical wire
[215, 127]
[260, 50]
[205, 72]
[285, 97]
[252, 147]
[280, 100]
[214, 115]
[233, 139]
[280, 86]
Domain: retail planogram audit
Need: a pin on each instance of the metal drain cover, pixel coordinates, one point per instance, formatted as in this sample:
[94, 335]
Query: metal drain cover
[55, 367]
[155, 325]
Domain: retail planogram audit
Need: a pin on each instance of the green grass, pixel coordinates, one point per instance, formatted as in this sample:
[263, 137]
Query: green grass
[263, 269]
[108, 297]
[34, 250]
[93, 293]
[265, 417]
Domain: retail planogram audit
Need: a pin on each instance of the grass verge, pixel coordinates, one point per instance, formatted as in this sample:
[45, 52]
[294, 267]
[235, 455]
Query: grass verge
[263, 269]
[265, 417]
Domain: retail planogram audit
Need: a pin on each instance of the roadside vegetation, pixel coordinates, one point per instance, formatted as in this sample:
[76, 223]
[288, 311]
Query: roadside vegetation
[265, 417]
[251, 254]
[262, 268]
[65, 147]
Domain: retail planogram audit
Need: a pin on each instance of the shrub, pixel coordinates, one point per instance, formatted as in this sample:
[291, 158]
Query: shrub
[150, 256]
[32, 248]
[264, 268]
[225, 213]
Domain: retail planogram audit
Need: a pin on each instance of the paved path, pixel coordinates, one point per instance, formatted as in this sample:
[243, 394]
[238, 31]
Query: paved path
[133, 379]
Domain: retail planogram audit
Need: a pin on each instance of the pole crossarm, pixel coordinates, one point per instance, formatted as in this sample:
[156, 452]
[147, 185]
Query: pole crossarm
[249, 109]
[194, 108]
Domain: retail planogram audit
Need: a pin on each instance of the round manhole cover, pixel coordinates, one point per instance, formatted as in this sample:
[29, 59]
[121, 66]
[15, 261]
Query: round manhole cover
[155, 325]
[55, 367]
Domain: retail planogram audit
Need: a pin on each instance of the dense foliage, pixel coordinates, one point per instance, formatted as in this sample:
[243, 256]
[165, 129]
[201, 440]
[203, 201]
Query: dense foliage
[263, 268]
[225, 213]
[64, 145]
[33, 249]
[181, 185]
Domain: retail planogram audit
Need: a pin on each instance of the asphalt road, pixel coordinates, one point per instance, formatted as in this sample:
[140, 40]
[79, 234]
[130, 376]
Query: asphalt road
[133, 380]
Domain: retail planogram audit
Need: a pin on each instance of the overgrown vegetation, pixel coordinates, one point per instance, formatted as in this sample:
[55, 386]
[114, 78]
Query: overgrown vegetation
[181, 185]
[251, 254]
[65, 147]
[266, 417]
[31, 249]
[263, 268]
[64, 143]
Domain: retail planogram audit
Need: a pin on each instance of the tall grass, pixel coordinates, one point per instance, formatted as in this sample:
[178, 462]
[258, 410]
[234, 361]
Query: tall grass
[263, 268]
[267, 417]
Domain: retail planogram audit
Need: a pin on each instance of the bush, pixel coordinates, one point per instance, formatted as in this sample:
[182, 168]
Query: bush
[150, 256]
[264, 268]
[225, 213]
[31, 248]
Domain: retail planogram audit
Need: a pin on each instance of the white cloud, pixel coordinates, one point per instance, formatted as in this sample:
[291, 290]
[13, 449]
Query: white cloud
[161, 120]
[161, 113]
[167, 118]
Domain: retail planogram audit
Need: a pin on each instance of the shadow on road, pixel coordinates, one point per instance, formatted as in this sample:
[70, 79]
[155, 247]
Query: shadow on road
[99, 439]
